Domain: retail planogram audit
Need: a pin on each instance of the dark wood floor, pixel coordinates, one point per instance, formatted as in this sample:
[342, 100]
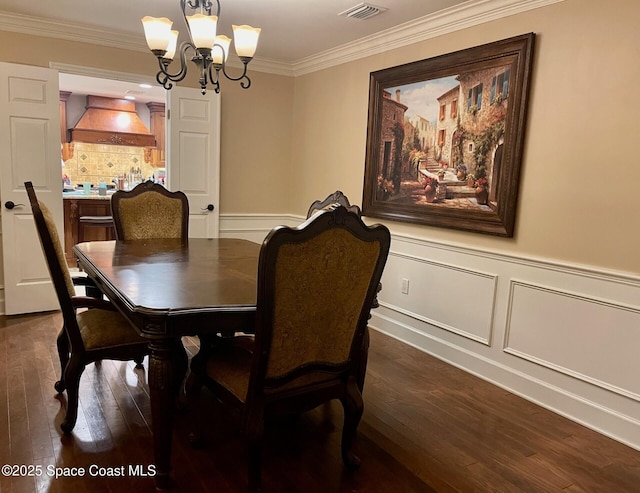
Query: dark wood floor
[427, 427]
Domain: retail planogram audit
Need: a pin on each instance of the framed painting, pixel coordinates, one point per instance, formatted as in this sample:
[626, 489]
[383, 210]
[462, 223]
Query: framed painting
[445, 138]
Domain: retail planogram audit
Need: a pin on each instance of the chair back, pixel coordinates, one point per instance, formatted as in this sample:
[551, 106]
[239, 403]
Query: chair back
[336, 199]
[150, 211]
[333, 200]
[56, 263]
[316, 284]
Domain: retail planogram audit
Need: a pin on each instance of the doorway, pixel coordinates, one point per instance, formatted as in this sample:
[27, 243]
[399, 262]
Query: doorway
[192, 136]
[105, 148]
[85, 157]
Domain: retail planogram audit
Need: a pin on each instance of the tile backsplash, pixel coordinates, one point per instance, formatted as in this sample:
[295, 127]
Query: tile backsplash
[97, 163]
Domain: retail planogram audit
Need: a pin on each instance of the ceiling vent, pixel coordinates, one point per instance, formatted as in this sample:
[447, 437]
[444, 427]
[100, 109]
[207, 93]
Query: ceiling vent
[362, 11]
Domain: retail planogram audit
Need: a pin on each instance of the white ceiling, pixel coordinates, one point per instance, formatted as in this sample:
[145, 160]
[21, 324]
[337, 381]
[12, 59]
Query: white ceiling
[291, 29]
[83, 85]
[297, 35]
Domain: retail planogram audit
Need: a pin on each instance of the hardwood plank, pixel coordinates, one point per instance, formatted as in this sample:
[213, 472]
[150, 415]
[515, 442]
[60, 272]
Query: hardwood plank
[427, 427]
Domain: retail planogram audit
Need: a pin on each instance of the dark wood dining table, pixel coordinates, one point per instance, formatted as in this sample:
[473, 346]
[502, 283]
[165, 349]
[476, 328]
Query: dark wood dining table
[168, 289]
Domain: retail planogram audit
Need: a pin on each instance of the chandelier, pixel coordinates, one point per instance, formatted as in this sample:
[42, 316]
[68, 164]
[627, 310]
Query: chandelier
[209, 51]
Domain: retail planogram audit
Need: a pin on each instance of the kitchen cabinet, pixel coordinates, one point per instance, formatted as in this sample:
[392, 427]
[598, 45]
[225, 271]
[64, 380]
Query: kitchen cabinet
[79, 206]
[66, 147]
[157, 127]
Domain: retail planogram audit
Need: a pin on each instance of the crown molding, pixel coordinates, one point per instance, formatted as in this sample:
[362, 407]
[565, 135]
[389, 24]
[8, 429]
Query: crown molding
[269, 66]
[37, 26]
[468, 14]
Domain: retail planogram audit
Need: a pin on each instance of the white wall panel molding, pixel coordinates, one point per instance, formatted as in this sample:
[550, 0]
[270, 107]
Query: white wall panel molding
[587, 271]
[592, 339]
[440, 294]
[253, 227]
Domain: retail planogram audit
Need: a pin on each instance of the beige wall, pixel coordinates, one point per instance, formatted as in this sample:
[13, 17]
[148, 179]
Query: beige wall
[578, 200]
[255, 128]
[286, 142]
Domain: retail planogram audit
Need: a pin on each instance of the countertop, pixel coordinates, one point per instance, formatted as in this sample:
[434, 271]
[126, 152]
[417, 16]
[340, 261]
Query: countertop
[93, 195]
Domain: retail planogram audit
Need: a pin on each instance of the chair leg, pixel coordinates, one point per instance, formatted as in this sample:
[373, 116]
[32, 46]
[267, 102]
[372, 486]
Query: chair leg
[364, 356]
[72, 374]
[254, 429]
[255, 466]
[181, 362]
[353, 408]
[63, 354]
[138, 360]
[193, 386]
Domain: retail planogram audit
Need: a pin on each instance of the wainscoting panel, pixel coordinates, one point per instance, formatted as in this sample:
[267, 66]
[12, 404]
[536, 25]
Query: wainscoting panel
[254, 227]
[442, 295]
[593, 339]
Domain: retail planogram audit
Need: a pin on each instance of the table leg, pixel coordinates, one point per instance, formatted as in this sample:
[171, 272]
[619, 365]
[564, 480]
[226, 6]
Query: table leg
[167, 368]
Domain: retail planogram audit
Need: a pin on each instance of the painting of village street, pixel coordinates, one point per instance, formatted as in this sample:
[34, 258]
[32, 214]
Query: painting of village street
[441, 141]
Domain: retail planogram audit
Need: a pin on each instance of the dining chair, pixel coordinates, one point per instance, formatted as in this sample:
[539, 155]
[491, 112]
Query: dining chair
[335, 199]
[316, 283]
[150, 211]
[92, 328]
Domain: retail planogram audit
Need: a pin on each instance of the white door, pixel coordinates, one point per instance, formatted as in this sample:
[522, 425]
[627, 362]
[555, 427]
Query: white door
[193, 155]
[29, 151]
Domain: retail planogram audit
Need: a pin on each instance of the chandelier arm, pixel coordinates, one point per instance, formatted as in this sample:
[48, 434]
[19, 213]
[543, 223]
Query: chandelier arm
[163, 80]
[164, 77]
[244, 79]
[214, 77]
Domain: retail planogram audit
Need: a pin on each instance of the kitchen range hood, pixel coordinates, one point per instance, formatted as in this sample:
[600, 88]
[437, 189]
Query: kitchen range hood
[111, 121]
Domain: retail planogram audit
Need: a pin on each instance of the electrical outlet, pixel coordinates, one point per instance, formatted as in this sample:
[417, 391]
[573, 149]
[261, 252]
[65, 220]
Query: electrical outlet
[405, 286]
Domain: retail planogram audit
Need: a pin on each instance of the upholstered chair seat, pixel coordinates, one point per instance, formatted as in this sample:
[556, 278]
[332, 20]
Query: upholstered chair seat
[117, 330]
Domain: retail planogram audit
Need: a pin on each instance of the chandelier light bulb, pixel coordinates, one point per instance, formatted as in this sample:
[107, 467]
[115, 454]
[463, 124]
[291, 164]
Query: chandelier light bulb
[245, 39]
[203, 30]
[221, 49]
[173, 43]
[157, 31]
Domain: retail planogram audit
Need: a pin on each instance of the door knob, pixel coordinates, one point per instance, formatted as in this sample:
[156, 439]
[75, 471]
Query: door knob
[208, 208]
[9, 204]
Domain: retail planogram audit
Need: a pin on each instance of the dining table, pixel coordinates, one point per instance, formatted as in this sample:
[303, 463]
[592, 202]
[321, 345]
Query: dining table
[167, 289]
